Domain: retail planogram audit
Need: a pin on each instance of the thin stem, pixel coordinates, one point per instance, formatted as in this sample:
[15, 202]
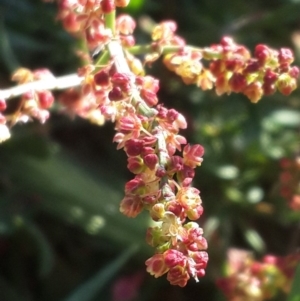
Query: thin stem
[57, 83]
[110, 21]
[116, 53]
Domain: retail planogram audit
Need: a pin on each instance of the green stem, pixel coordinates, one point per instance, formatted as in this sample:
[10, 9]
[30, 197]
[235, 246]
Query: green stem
[110, 21]
[102, 60]
[143, 49]
[116, 53]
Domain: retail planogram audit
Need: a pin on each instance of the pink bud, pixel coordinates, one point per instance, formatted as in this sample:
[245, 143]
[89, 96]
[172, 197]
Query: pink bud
[133, 147]
[174, 258]
[156, 265]
[237, 82]
[285, 56]
[45, 98]
[151, 160]
[2, 104]
[135, 164]
[131, 206]
[101, 78]
[149, 97]
[192, 155]
[108, 6]
[125, 24]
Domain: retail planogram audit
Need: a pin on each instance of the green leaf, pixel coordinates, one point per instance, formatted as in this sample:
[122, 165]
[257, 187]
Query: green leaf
[90, 289]
[45, 255]
[295, 291]
[255, 240]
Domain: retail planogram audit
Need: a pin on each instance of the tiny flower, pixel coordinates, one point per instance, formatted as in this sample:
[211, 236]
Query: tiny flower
[151, 160]
[133, 147]
[178, 276]
[156, 265]
[192, 155]
[131, 206]
[286, 84]
[134, 185]
[108, 6]
[188, 197]
[237, 82]
[157, 211]
[125, 24]
[45, 99]
[174, 258]
[149, 97]
[101, 78]
[115, 94]
[254, 91]
[285, 56]
[262, 53]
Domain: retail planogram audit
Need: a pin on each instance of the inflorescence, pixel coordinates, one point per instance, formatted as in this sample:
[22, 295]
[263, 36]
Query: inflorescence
[115, 88]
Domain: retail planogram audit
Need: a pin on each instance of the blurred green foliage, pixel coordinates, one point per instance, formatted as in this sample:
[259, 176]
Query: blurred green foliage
[61, 234]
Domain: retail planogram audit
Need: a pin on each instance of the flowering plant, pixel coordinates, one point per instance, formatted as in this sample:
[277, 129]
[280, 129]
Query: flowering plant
[112, 85]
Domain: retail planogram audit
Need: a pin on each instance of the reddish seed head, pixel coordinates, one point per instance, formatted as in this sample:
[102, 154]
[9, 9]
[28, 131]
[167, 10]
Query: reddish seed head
[108, 6]
[262, 53]
[2, 105]
[115, 94]
[70, 23]
[237, 82]
[149, 97]
[285, 56]
[101, 78]
[125, 24]
[45, 98]
[252, 66]
[294, 72]
[270, 77]
[269, 89]
[133, 147]
[151, 160]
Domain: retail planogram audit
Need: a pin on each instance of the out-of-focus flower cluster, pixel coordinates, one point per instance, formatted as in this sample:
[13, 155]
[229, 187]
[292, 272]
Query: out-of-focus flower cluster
[250, 280]
[34, 104]
[290, 182]
[85, 17]
[232, 69]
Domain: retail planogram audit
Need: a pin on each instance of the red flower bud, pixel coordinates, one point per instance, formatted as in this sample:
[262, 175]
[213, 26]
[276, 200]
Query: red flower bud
[2, 104]
[115, 94]
[262, 53]
[151, 160]
[135, 165]
[101, 78]
[108, 6]
[149, 97]
[237, 82]
[285, 56]
[45, 98]
[192, 155]
[133, 147]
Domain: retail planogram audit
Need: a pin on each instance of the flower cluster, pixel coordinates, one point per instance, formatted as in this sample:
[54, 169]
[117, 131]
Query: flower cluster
[290, 182]
[149, 134]
[34, 104]
[87, 17]
[115, 88]
[251, 280]
[232, 69]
